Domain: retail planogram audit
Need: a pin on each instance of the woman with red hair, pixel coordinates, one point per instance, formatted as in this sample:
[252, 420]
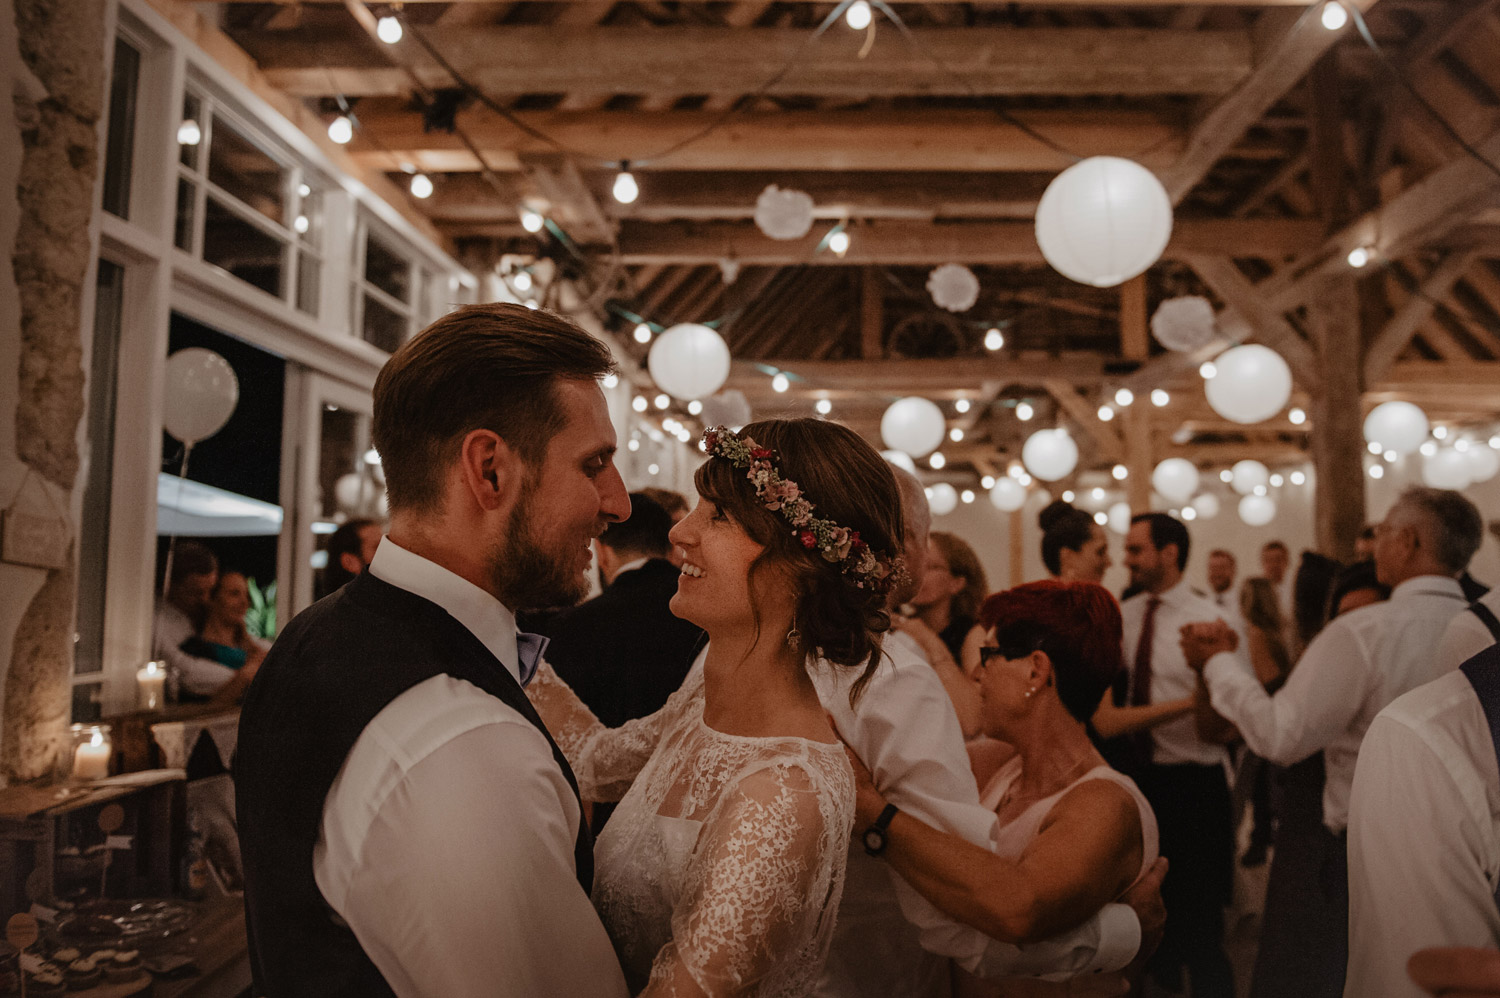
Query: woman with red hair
[1073, 835]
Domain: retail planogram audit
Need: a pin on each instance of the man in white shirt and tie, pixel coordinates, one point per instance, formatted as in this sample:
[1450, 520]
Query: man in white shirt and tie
[407, 824]
[1221, 575]
[1359, 663]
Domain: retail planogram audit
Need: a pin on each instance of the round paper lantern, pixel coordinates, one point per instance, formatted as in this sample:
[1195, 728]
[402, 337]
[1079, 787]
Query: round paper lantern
[1175, 478]
[729, 409]
[1484, 463]
[1184, 324]
[913, 425]
[1119, 517]
[1206, 506]
[1050, 454]
[783, 214]
[1103, 221]
[954, 287]
[1447, 469]
[942, 499]
[1247, 476]
[1008, 494]
[201, 393]
[900, 459]
[1253, 383]
[689, 361]
[1257, 511]
[1397, 426]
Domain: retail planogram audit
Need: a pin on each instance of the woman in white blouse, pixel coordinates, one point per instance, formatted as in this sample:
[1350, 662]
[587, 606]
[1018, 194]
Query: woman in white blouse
[720, 872]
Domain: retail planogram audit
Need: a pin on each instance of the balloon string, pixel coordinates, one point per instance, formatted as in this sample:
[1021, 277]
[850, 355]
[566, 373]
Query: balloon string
[166, 579]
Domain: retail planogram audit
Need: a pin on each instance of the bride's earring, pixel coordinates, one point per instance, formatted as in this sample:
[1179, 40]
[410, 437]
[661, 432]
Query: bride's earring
[793, 637]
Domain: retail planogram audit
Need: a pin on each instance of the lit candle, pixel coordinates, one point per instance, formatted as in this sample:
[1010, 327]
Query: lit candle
[152, 686]
[91, 761]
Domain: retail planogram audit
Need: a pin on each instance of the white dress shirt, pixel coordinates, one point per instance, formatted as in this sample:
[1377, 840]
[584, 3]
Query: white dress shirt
[889, 940]
[1467, 636]
[1175, 742]
[447, 837]
[1227, 604]
[1354, 667]
[1424, 852]
[199, 676]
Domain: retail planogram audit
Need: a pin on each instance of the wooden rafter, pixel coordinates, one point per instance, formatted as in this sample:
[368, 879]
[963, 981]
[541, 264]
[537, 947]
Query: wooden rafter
[1411, 316]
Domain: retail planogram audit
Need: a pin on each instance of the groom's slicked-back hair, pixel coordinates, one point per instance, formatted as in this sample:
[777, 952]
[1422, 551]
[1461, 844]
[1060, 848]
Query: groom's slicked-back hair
[493, 366]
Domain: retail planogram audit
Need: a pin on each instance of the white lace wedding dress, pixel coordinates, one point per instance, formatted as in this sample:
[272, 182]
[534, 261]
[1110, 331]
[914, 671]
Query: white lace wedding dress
[720, 872]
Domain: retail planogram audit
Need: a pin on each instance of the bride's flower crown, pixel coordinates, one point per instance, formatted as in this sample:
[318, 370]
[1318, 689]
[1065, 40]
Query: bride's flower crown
[838, 545]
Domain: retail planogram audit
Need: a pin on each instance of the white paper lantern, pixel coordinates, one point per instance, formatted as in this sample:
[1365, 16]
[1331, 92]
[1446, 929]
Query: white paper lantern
[1484, 463]
[1050, 454]
[783, 214]
[200, 396]
[954, 287]
[1103, 221]
[1119, 517]
[1253, 384]
[1397, 426]
[914, 425]
[1447, 469]
[1206, 506]
[1176, 479]
[1008, 494]
[729, 409]
[900, 459]
[942, 499]
[1247, 476]
[1184, 324]
[1257, 511]
[689, 361]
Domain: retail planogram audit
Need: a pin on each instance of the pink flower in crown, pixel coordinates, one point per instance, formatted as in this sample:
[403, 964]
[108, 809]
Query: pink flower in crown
[809, 539]
[839, 543]
[759, 453]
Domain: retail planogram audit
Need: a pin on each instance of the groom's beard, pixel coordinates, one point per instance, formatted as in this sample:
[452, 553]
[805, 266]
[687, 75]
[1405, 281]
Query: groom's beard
[528, 576]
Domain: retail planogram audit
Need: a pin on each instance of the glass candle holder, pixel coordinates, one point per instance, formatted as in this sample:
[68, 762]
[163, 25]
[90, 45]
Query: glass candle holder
[151, 686]
[91, 751]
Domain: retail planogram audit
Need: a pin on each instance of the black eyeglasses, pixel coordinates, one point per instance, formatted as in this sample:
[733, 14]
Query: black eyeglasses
[1011, 647]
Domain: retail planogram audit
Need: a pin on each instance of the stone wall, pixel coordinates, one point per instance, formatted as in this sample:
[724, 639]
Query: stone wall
[49, 155]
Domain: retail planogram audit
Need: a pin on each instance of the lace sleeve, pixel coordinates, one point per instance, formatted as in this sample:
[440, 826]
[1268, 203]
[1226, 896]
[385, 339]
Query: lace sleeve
[758, 905]
[605, 760]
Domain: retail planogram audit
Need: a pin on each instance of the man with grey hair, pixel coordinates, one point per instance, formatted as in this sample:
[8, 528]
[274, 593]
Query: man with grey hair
[1358, 664]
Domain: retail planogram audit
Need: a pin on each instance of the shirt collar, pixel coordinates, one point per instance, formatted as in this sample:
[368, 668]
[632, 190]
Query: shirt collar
[486, 618]
[1429, 585]
[1176, 594]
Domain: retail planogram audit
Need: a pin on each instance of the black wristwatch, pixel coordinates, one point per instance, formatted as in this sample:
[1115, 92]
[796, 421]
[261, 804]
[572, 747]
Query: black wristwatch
[876, 837]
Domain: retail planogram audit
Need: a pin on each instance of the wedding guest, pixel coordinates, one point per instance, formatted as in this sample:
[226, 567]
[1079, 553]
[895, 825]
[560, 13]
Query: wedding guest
[1072, 835]
[1446, 972]
[1265, 634]
[1074, 547]
[350, 549]
[677, 507]
[223, 636]
[408, 826]
[1275, 560]
[1364, 544]
[1221, 573]
[948, 598]
[1472, 632]
[194, 573]
[1359, 663]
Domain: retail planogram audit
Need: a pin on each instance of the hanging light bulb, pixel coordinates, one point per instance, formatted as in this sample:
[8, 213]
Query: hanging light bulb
[421, 186]
[966, 496]
[626, 190]
[1120, 472]
[388, 30]
[341, 130]
[1298, 478]
[188, 133]
[663, 400]
[859, 15]
[1159, 397]
[824, 407]
[695, 407]
[639, 403]
[994, 340]
[1106, 413]
[1068, 495]
[610, 380]
[1297, 416]
[633, 446]
[642, 333]
[1334, 15]
[1124, 397]
[961, 406]
[780, 383]
[521, 280]
[956, 434]
[839, 242]
[1207, 370]
[1359, 256]
[532, 221]
[987, 482]
[301, 224]
[937, 460]
[1024, 411]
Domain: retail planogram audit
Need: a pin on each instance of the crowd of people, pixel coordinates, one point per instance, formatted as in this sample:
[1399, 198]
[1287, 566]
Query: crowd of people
[819, 755]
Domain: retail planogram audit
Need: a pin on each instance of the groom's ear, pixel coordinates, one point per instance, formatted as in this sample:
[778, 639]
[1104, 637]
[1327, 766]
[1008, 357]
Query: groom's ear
[490, 468]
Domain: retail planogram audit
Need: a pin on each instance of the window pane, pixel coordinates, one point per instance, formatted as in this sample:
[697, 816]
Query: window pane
[190, 131]
[120, 146]
[184, 230]
[93, 547]
[383, 326]
[88, 703]
[309, 270]
[239, 167]
[387, 270]
[241, 248]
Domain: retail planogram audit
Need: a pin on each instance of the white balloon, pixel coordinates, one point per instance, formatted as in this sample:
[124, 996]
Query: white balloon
[1103, 221]
[201, 393]
[1050, 454]
[953, 287]
[900, 459]
[1184, 324]
[1176, 479]
[1206, 506]
[1119, 517]
[1257, 511]
[1484, 463]
[1248, 475]
[783, 214]
[689, 361]
[1397, 426]
[943, 499]
[1253, 384]
[914, 425]
[1008, 494]
[1447, 469]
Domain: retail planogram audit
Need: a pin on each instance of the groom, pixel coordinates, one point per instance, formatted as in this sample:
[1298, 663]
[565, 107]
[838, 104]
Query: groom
[407, 824]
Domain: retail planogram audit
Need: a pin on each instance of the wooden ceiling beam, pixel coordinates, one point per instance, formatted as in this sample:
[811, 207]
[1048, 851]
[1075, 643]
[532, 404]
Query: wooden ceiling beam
[1247, 317]
[599, 4]
[573, 204]
[948, 379]
[895, 243]
[1413, 314]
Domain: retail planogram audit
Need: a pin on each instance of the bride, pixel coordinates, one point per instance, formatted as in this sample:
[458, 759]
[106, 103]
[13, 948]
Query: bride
[721, 870]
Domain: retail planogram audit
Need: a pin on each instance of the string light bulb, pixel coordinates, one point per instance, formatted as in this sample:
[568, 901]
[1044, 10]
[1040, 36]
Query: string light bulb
[824, 407]
[1297, 416]
[839, 242]
[695, 407]
[1124, 397]
[341, 130]
[642, 333]
[937, 460]
[301, 224]
[1106, 413]
[1334, 15]
[859, 15]
[532, 221]
[780, 383]
[663, 400]
[421, 186]
[1207, 370]
[1024, 412]
[1159, 397]
[188, 133]
[388, 30]
[521, 280]
[1298, 478]
[610, 380]
[994, 340]
[1119, 472]
[961, 406]
[1359, 256]
[638, 403]
[956, 434]
[987, 482]
[626, 190]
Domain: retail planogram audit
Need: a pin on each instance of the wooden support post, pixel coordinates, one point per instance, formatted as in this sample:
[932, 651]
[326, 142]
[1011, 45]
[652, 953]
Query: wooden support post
[1137, 419]
[1134, 344]
[1337, 436]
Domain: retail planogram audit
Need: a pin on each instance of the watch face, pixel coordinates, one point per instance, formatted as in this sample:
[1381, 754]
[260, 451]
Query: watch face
[874, 839]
